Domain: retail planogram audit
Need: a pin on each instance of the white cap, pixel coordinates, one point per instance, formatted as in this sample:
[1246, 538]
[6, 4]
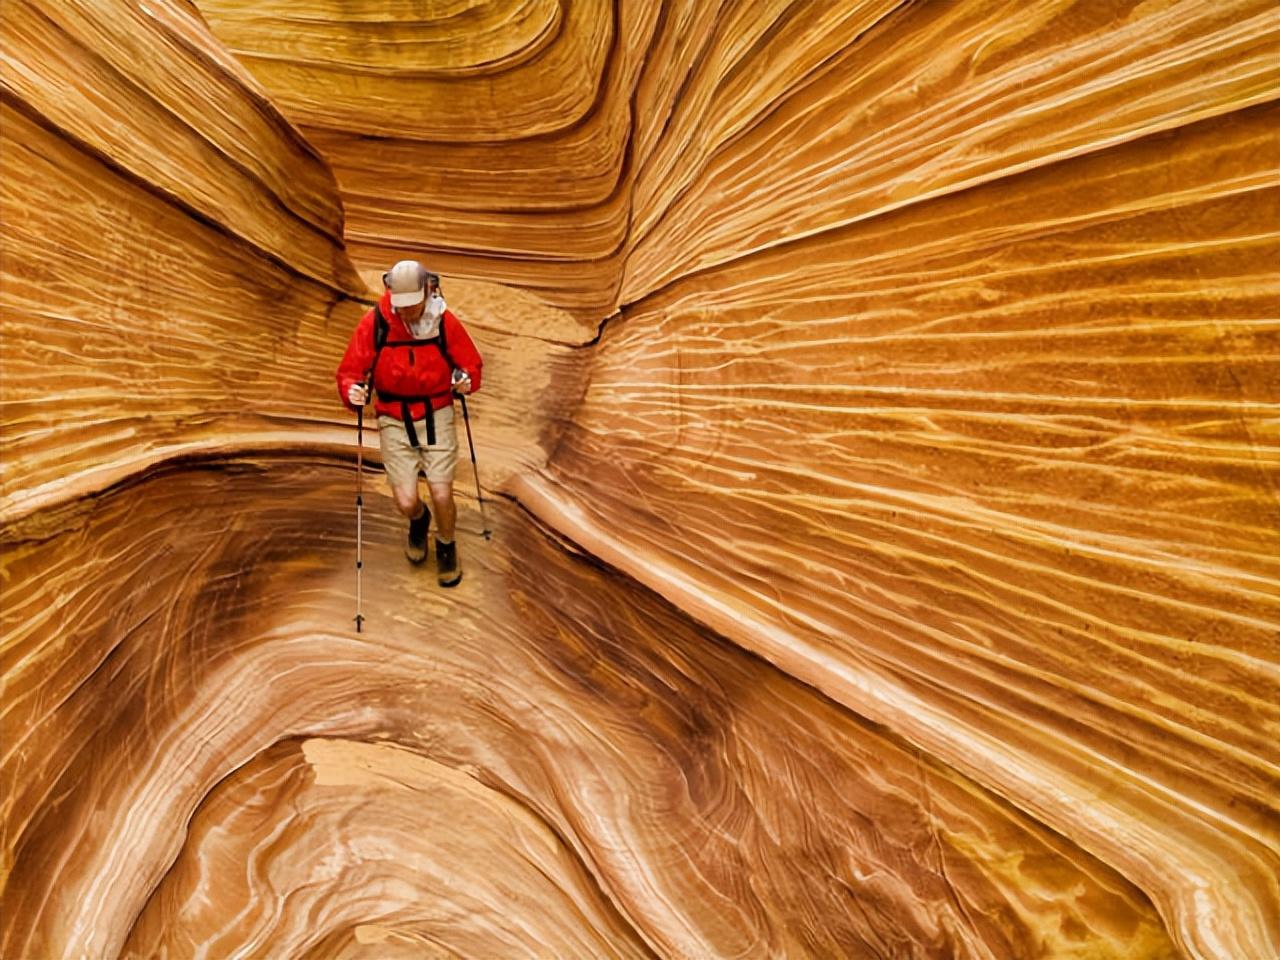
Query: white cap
[407, 281]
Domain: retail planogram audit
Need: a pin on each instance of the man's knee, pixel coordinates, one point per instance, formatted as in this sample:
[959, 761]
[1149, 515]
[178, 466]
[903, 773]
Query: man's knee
[441, 493]
[407, 499]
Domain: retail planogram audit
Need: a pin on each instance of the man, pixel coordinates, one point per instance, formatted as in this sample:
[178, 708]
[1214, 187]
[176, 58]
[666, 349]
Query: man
[416, 354]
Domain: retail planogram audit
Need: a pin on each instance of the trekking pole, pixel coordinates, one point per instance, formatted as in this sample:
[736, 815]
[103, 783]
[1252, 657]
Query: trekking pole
[476, 470]
[359, 511]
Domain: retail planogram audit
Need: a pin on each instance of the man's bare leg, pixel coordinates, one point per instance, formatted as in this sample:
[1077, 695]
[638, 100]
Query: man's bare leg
[410, 504]
[448, 570]
[446, 512]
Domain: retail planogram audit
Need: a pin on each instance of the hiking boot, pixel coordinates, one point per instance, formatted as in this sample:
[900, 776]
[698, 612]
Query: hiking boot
[415, 547]
[448, 570]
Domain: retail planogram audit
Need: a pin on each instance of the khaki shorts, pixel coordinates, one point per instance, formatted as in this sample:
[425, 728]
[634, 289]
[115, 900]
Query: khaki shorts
[403, 462]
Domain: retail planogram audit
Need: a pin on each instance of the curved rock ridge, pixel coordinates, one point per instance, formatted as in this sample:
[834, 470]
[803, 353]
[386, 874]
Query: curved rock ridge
[548, 760]
[500, 165]
[701, 132]
[882, 398]
[422, 70]
[378, 833]
[148, 90]
[999, 472]
[168, 235]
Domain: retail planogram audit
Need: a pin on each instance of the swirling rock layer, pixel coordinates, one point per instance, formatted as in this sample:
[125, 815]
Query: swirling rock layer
[884, 396]
[548, 735]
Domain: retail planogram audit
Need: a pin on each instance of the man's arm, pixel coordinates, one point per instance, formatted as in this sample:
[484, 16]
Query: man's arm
[462, 351]
[356, 361]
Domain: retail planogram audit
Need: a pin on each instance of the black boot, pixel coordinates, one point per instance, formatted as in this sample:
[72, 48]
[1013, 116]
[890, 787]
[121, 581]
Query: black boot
[448, 569]
[416, 546]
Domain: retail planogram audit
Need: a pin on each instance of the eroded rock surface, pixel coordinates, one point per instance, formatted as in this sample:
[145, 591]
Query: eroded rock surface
[880, 433]
[548, 759]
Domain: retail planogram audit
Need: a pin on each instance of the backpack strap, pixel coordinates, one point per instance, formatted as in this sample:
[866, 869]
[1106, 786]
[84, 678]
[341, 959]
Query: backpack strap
[381, 330]
[443, 344]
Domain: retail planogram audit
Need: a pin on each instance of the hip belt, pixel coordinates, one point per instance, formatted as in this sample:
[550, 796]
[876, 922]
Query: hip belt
[405, 400]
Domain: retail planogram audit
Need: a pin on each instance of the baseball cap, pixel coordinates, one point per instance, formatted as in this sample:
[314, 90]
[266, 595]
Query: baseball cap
[407, 282]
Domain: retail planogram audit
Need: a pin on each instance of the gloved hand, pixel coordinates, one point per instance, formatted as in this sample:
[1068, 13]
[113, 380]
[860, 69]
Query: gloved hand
[357, 394]
[461, 382]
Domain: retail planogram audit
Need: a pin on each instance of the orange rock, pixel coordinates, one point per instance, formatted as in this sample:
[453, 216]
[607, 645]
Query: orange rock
[879, 421]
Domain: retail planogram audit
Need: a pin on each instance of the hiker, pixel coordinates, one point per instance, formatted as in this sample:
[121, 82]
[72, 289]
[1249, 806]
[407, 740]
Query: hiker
[417, 355]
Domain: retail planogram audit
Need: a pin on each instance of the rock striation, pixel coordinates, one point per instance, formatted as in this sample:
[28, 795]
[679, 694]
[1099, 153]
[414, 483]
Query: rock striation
[550, 761]
[879, 436]
[168, 234]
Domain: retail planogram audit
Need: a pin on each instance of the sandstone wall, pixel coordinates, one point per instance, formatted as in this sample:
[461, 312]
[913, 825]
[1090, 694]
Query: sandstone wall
[883, 400]
[168, 235]
[949, 383]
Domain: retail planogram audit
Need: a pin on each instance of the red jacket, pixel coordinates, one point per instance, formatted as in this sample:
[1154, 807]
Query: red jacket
[404, 370]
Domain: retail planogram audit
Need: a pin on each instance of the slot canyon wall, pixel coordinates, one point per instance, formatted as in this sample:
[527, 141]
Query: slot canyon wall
[879, 435]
